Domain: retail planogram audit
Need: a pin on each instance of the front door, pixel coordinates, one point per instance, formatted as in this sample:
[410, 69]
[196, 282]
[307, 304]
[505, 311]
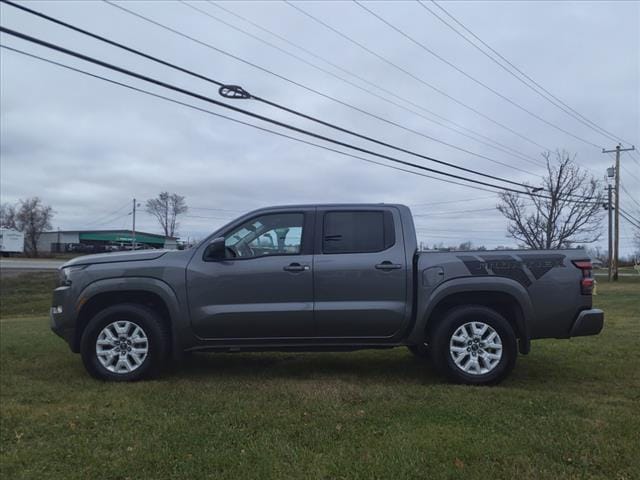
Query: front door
[263, 288]
[360, 274]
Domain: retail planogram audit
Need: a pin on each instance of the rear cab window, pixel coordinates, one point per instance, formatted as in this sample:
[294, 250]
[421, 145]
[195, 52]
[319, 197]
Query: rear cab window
[357, 231]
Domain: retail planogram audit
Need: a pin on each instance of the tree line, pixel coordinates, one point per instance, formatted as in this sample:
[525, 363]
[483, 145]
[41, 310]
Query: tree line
[564, 210]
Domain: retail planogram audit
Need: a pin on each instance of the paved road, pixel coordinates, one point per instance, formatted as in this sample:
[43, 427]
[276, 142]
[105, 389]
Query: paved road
[29, 264]
[621, 274]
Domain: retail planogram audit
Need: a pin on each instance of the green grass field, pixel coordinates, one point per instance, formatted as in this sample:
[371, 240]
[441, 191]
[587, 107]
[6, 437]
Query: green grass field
[571, 409]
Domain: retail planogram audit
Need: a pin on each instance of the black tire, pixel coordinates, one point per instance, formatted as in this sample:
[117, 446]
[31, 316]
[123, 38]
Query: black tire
[419, 351]
[145, 318]
[441, 355]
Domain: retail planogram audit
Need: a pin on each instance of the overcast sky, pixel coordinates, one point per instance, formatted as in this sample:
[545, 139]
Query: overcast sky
[87, 147]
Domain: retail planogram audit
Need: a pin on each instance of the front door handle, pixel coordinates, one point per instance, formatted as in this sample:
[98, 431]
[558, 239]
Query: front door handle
[387, 265]
[295, 267]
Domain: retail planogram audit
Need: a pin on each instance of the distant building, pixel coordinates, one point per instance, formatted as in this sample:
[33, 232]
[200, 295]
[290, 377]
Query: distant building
[95, 241]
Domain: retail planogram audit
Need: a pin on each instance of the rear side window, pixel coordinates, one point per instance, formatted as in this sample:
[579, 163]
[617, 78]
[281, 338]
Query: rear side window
[357, 231]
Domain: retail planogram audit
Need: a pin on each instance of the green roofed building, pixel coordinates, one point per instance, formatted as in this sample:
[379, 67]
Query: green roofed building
[95, 241]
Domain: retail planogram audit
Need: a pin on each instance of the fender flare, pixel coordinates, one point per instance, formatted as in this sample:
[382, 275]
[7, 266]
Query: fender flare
[140, 284]
[475, 285]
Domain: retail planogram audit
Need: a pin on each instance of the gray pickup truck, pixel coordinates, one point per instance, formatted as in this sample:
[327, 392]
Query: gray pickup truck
[321, 278]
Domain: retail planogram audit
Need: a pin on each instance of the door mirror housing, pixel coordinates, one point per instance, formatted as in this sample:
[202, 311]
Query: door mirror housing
[215, 250]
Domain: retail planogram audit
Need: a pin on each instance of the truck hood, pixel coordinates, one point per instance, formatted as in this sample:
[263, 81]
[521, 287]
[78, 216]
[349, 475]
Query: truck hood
[115, 257]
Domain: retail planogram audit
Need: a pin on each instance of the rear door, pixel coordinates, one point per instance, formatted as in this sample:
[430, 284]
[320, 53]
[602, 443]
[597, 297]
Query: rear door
[360, 273]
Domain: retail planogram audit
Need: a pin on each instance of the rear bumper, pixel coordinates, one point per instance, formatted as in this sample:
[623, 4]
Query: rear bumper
[588, 322]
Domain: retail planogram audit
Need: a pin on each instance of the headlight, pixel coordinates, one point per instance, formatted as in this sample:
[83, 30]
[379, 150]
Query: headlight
[64, 276]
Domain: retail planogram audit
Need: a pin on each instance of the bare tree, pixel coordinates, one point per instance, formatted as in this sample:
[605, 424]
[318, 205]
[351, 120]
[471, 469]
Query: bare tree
[32, 218]
[567, 211]
[599, 254]
[166, 208]
[8, 216]
[465, 246]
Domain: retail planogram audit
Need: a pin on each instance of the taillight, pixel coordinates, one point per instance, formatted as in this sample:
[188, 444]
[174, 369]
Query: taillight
[587, 281]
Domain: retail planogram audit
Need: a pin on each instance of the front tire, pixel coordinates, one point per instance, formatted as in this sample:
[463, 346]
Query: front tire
[124, 343]
[474, 345]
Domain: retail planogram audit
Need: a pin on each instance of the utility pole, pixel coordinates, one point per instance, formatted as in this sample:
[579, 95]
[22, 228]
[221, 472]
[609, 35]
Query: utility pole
[166, 219]
[133, 229]
[610, 212]
[616, 239]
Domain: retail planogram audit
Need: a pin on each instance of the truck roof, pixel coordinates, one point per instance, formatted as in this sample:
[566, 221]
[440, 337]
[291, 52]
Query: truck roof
[331, 205]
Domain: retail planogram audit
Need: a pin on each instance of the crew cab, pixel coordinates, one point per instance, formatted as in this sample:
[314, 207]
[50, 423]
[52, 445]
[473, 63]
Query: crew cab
[321, 278]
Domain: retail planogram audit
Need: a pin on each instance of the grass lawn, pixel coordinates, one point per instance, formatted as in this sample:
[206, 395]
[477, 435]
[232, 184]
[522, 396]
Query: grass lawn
[571, 409]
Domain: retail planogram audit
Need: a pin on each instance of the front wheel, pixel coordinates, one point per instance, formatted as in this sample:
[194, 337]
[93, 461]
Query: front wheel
[474, 345]
[124, 342]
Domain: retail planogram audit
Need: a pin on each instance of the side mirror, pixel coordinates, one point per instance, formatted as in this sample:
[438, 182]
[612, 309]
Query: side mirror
[215, 250]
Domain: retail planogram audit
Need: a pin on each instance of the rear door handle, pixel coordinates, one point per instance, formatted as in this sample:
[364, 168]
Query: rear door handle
[295, 267]
[387, 265]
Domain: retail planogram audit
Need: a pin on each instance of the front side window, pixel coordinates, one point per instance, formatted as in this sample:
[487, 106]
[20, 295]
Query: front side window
[271, 234]
[357, 232]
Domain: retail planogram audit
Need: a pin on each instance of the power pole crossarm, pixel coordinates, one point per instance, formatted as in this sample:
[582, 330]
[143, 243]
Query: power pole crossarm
[616, 240]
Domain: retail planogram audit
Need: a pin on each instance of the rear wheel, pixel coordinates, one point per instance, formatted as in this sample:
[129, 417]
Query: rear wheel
[124, 342]
[474, 345]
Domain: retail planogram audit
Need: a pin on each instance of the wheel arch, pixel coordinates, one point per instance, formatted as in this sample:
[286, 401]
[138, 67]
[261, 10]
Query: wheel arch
[508, 298]
[151, 293]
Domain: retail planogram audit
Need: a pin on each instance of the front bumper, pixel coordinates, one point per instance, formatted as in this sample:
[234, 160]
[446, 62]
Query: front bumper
[59, 319]
[588, 322]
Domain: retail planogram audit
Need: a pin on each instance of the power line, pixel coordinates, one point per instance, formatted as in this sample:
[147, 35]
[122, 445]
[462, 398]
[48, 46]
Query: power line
[542, 91]
[631, 220]
[622, 210]
[108, 221]
[217, 209]
[209, 217]
[240, 110]
[469, 232]
[252, 114]
[273, 104]
[444, 228]
[487, 141]
[451, 201]
[629, 172]
[99, 221]
[474, 79]
[455, 236]
[415, 77]
[455, 212]
[257, 127]
[298, 113]
[374, 94]
[629, 194]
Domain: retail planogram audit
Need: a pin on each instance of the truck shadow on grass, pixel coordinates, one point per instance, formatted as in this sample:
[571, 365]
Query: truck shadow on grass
[368, 367]
[376, 367]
